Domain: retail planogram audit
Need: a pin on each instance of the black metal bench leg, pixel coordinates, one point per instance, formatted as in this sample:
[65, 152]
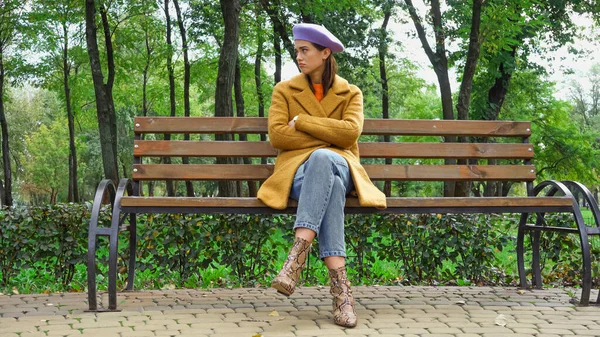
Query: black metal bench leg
[535, 261]
[124, 184]
[520, 250]
[586, 284]
[91, 271]
[112, 268]
[593, 203]
[93, 233]
[132, 251]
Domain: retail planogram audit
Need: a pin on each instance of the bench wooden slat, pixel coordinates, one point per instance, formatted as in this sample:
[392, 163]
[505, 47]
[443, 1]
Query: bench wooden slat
[375, 172]
[446, 150]
[173, 148]
[256, 125]
[353, 202]
[178, 148]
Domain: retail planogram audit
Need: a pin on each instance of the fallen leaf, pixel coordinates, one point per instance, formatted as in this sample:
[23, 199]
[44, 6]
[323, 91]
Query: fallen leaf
[274, 313]
[500, 320]
[264, 320]
[15, 291]
[257, 335]
[521, 291]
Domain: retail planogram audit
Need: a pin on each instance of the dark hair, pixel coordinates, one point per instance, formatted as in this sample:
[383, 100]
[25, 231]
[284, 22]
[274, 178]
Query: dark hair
[328, 73]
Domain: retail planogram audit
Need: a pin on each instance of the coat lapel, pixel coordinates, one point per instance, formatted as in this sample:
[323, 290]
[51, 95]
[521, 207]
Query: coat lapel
[306, 98]
[335, 96]
[331, 102]
[309, 102]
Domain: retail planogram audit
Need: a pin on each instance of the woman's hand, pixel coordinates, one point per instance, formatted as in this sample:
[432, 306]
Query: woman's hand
[292, 124]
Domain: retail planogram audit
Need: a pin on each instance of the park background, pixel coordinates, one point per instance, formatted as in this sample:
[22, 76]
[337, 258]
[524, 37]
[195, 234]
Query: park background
[73, 74]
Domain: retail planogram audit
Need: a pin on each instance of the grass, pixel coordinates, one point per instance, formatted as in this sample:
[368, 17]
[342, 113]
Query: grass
[588, 216]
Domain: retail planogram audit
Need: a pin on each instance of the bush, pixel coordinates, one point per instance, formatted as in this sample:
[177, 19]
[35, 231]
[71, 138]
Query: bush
[186, 244]
[55, 236]
[50, 243]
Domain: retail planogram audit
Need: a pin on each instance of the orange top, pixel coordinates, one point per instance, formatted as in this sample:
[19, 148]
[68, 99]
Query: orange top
[318, 91]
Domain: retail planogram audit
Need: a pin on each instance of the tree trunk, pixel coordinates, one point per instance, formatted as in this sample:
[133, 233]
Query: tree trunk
[498, 91]
[387, 186]
[279, 27]
[189, 188]
[104, 104]
[2, 197]
[496, 95]
[73, 195]
[6, 197]
[167, 160]
[110, 79]
[462, 188]
[225, 80]
[239, 106]
[277, 51]
[145, 100]
[257, 75]
[466, 86]
[504, 188]
[490, 189]
[439, 61]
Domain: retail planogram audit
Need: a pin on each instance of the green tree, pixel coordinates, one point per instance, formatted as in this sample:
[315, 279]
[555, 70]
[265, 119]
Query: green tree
[440, 64]
[46, 162]
[58, 25]
[586, 113]
[225, 79]
[10, 21]
[107, 119]
[27, 108]
[186, 80]
[563, 150]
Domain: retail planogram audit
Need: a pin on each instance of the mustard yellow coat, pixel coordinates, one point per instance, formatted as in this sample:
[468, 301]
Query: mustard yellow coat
[334, 123]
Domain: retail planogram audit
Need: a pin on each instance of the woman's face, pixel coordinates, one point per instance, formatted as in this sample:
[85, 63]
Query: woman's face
[311, 60]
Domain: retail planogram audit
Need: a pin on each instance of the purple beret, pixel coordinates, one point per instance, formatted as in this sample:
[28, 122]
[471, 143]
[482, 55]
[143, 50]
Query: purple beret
[317, 34]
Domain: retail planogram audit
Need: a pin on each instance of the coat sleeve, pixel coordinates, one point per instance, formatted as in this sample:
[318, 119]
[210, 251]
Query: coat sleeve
[282, 136]
[342, 133]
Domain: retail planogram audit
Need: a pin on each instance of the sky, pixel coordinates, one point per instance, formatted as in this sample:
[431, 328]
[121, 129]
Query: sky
[559, 69]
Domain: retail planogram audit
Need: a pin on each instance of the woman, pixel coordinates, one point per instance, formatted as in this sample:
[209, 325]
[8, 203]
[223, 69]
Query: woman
[315, 120]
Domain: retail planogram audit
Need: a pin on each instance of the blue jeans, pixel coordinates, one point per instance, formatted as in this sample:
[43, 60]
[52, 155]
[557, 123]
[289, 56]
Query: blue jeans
[320, 185]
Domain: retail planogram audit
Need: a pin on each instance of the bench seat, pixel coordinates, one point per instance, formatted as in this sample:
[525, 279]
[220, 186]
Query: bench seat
[409, 205]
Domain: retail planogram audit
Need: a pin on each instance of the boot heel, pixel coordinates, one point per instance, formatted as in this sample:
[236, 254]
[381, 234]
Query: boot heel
[281, 288]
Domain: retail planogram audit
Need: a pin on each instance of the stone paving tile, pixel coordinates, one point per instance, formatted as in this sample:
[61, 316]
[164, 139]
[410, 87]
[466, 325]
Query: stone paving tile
[382, 310]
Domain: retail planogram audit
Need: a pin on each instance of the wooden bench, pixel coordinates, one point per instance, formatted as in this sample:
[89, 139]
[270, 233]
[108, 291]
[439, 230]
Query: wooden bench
[512, 162]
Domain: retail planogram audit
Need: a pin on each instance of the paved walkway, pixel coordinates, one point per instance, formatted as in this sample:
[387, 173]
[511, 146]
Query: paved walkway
[383, 311]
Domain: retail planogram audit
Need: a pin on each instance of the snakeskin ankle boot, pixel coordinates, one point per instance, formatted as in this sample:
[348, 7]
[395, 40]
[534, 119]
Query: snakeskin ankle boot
[343, 301]
[285, 282]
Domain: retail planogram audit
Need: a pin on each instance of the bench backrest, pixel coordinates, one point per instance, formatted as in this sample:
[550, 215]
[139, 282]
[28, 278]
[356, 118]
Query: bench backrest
[502, 154]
